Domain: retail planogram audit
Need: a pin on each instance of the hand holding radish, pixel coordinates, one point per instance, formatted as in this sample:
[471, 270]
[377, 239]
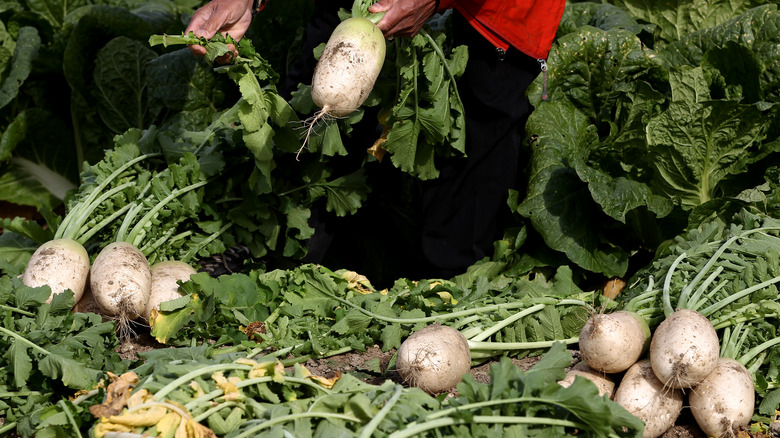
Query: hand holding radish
[403, 18]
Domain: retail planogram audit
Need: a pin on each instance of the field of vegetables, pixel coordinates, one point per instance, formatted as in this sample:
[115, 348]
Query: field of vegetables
[652, 184]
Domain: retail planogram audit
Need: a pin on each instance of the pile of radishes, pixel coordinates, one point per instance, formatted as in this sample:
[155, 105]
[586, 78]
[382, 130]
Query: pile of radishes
[119, 284]
[652, 377]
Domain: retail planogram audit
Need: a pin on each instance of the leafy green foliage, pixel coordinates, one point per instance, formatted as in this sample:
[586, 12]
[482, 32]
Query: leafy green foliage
[674, 19]
[426, 119]
[49, 352]
[53, 67]
[312, 311]
[641, 134]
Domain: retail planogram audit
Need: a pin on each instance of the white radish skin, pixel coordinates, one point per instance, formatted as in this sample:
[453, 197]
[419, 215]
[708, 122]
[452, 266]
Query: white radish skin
[165, 286]
[643, 395]
[724, 400]
[434, 359]
[348, 67]
[62, 264]
[121, 281]
[684, 349]
[612, 342]
[603, 382]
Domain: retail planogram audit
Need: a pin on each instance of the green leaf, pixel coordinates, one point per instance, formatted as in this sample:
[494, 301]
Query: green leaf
[15, 252]
[347, 193]
[427, 117]
[599, 15]
[25, 53]
[94, 27]
[167, 324]
[675, 19]
[39, 173]
[403, 134]
[331, 141]
[754, 31]
[698, 142]
[72, 373]
[353, 322]
[181, 82]
[391, 337]
[120, 84]
[594, 69]
[54, 11]
[27, 228]
[19, 362]
[558, 203]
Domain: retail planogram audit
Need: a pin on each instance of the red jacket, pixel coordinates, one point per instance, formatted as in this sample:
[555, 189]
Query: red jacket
[527, 25]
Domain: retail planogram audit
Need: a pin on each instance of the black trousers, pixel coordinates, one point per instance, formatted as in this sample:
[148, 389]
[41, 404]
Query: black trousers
[465, 210]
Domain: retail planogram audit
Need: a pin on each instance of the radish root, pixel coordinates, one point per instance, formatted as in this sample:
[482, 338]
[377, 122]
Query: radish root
[310, 124]
[123, 321]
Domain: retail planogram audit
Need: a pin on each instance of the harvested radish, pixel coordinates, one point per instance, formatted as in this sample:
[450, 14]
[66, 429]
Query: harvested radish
[612, 342]
[348, 67]
[684, 349]
[724, 400]
[642, 394]
[62, 264]
[165, 286]
[121, 282]
[347, 70]
[434, 359]
[603, 382]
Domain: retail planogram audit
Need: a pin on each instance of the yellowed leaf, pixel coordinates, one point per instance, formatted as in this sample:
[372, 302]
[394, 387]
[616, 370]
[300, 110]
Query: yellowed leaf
[279, 374]
[192, 429]
[104, 426]
[447, 298]
[141, 417]
[357, 282]
[377, 149]
[138, 398]
[228, 386]
[199, 391]
[326, 382]
[117, 393]
[261, 369]
[613, 287]
[166, 427]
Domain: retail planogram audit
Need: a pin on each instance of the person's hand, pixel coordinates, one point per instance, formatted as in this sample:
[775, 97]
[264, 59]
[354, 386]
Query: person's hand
[231, 17]
[403, 18]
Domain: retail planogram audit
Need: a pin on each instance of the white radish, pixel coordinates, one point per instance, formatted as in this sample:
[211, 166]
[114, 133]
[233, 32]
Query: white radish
[121, 282]
[347, 70]
[643, 395]
[434, 359]
[165, 286]
[684, 349]
[603, 382]
[348, 67]
[60, 263]
[724, 400]
[612, 342]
